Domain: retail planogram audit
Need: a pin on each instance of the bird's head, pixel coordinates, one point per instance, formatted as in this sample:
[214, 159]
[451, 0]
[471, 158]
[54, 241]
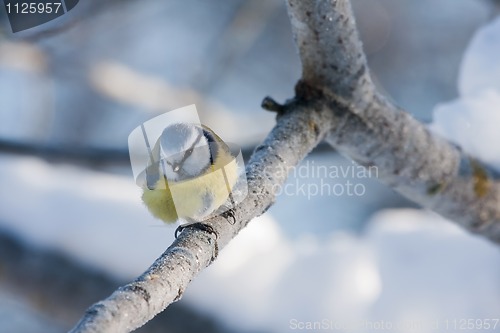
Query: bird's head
[185, 151]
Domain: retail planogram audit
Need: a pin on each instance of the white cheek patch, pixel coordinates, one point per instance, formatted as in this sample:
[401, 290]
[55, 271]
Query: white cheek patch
[184, 147]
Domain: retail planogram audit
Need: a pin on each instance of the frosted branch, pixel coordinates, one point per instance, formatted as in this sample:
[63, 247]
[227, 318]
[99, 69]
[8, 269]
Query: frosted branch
[422, 166]
[298, 130]
[336, 100]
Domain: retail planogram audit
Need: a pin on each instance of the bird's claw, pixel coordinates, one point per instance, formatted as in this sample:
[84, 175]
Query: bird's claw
[229, 213]
[203, 227]
[197, 225]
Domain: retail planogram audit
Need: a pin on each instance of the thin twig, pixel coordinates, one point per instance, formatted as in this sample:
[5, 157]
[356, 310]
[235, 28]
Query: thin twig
[77, 154]
[86, 155]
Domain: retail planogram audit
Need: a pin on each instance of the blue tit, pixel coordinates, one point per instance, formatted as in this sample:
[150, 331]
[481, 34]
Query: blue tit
[191, 174]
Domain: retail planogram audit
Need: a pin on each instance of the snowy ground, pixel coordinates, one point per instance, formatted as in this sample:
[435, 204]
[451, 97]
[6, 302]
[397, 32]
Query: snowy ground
[407, 265]
[18, 316]
[472, 120]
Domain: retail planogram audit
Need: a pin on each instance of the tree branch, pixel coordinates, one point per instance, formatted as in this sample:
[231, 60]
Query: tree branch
[336, 97]
[299, 129]
[369, 129]
[61, 289]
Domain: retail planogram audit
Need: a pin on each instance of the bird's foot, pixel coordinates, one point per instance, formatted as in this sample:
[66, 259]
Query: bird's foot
[229, 213]
[197, 225]
[203, 227]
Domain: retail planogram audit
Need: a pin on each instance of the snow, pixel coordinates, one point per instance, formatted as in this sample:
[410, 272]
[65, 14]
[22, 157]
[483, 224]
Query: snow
[480, 69]
[407, 265]
[78, 211]
[410, 265]
[17, 316]
[472, 121]
[290, 268]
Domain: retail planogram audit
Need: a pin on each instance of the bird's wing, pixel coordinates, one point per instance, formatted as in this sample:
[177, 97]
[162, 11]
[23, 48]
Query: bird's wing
[221, 144]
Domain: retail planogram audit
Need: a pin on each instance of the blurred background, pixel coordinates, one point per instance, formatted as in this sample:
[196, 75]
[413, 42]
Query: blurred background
[73, 228]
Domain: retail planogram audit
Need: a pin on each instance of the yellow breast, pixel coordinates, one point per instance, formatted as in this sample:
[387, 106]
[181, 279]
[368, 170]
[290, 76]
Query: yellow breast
[170, 201]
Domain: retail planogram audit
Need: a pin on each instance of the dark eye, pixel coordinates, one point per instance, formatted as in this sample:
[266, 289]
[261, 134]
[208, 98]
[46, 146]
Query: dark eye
[189, 151]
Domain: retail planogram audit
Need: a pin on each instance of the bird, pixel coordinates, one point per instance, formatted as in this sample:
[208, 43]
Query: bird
[191, 173]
